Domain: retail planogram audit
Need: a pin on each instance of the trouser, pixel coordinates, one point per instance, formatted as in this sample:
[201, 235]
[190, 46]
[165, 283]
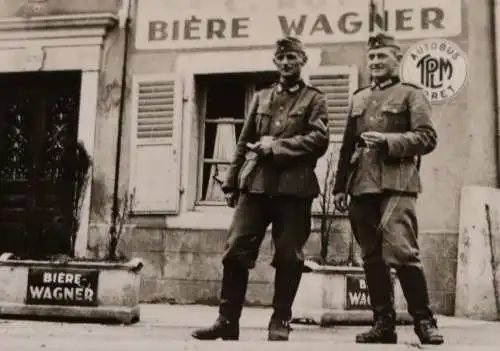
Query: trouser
[291, 227]
[390, 244]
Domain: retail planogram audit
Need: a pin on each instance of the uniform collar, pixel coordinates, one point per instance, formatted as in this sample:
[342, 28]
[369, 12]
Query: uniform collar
[292, 88]
[384, 84]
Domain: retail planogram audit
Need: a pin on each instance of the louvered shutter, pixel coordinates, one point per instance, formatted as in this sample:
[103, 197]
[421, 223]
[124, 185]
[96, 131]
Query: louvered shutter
[156, 135]
[338, 83]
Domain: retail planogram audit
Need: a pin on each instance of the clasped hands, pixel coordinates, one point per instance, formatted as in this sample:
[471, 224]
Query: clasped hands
[263, 147]
[374, 139]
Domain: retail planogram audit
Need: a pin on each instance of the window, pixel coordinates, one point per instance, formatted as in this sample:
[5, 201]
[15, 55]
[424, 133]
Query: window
[222, 101]
[164, 104]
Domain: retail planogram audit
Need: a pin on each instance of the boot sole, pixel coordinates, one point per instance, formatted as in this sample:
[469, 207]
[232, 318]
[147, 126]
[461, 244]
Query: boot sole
[431, 342]
[392, 340]
[217, 338]
[225, 338]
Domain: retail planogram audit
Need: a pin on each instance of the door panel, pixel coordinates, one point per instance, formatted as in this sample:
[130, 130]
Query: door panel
[16, 156]
[38, 132]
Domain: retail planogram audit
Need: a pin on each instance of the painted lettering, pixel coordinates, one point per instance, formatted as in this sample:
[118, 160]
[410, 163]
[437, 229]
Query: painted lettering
[157, 30]
[238, 25]
[191, 26]
[321, 24]
[432, 15]
[61, 278]
[36, 291]
[47, 294]
[348, 25]
[175, 30]
[362, 284]
[381, 21]
[292, 28]
[196, 28]
[358, 299]
[440, 94]
[61, 293]
[434, 71]
[88, 294]
[215, 28]
[402, 19]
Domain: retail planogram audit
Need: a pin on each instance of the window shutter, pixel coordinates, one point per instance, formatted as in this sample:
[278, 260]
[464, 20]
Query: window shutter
[156, 136]
[338, 83]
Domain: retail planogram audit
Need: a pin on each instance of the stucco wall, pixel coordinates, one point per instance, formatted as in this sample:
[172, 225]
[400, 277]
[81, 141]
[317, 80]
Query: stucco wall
[465, 155]
[19, 8]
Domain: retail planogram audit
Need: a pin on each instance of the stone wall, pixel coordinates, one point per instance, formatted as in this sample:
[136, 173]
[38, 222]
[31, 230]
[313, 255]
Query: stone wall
[184, 266]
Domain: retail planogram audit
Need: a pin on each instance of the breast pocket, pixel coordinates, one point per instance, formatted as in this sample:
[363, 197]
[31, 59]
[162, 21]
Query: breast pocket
[296, 121]
[396, 117]
[263, 120]
[357, 114]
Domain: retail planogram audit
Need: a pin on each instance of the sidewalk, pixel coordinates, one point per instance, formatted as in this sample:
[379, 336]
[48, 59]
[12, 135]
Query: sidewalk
[167, 327]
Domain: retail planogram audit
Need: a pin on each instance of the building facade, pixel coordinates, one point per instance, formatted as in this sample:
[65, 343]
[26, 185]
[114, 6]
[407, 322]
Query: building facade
[191, 67]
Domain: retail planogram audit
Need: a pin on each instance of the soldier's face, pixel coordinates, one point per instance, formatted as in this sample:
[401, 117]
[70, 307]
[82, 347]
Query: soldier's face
[382, 62]
[290, 63]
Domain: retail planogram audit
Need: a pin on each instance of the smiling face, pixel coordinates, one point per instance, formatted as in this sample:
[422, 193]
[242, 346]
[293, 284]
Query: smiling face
[383, 62]
[289, 63]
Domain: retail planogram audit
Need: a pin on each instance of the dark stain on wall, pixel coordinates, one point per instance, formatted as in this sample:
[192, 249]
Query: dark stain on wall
[32, 8]
[99, 198]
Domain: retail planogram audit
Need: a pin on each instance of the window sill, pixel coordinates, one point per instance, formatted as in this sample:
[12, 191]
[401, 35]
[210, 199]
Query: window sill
[203, 217]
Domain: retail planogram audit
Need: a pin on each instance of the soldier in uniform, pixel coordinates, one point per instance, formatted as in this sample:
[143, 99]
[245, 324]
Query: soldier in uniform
[389, 128]
[271, 180]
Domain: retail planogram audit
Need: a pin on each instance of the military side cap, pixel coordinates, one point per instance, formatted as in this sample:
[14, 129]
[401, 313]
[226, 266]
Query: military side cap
[382, 40]
[289, 44]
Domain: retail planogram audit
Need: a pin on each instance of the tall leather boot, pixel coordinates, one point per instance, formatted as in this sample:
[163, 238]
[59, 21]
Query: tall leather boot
[414, 286]
[380, 288]
[286, 284]
[234, 287]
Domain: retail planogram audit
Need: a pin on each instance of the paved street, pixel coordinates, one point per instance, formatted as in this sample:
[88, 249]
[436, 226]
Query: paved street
[165, 327]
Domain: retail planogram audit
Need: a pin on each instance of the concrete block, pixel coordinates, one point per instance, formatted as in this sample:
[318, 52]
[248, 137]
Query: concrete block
[93, 291]
[195, 240]
[321, 297]
[478, 266]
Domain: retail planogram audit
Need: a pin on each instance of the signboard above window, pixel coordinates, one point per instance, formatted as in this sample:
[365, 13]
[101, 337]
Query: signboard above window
[184, 24]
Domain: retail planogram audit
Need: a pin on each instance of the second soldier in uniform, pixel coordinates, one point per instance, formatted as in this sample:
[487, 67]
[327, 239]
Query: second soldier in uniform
[389, 128]
[272, 180]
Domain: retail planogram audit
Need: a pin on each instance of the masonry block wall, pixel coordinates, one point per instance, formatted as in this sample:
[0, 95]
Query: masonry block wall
[184, 266]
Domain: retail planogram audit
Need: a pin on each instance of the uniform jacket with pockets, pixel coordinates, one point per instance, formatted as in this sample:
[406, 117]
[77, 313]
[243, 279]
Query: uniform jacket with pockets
[403, 113]
[298, 123]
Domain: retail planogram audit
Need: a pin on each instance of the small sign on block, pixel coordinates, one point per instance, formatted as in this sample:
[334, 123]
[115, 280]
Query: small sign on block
[357, 297]
[66, 287]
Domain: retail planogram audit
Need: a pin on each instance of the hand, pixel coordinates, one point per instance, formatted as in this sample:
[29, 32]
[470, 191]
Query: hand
[340, 202]
[266, 143]
[374, 139]
[231, 199]
[262, 147]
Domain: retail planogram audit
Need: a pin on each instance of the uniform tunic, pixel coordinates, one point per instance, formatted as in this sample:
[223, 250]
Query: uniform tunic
[386, 180]
[278, 188]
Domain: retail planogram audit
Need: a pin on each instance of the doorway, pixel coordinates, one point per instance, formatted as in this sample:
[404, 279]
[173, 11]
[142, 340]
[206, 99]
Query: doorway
[38, 135]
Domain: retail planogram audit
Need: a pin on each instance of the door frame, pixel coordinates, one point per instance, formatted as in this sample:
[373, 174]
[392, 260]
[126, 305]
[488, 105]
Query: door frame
[55, 43]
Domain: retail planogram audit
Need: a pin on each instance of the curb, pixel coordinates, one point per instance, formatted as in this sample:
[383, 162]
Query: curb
[330, 318]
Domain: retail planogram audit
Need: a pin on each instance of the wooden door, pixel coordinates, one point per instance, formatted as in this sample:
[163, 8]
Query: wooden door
[38, 134]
